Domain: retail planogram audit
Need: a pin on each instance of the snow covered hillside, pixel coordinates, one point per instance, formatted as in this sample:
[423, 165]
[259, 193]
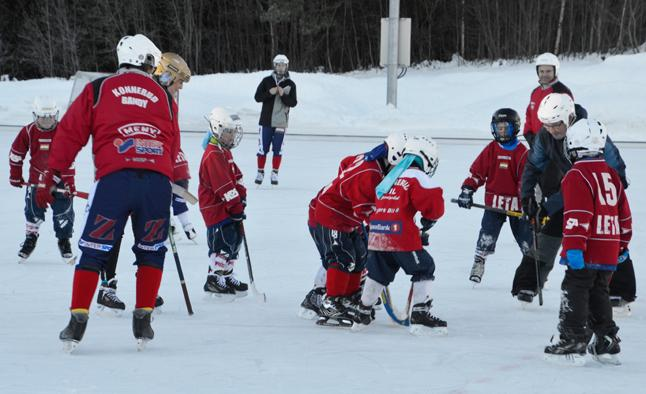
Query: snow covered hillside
[493, 345]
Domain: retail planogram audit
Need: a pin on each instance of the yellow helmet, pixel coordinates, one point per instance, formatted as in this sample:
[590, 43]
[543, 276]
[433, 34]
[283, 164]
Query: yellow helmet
[170, 67]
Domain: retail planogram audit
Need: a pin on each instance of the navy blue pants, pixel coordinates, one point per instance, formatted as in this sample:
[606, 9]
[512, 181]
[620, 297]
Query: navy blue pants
[270, 136]
[382, 266]
[63, 212]
[142, 195]
[317, 236]
[179, 204]
[490, 230]
[344, 251]
[225, 239]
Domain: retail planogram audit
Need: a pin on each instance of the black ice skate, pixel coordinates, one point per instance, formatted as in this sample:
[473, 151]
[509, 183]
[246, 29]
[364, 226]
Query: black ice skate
[606, 349]
[526, 296]
[141, 328]
[259, 177]
[107, 298]
[311, 305]
[422, 322]
[274, 177]
[73, 333]
[567, 351]
[66, 251]
[362, 316]
[27, 247]
[240, 288]
[477, 270]
[333, 313]
[217, 286]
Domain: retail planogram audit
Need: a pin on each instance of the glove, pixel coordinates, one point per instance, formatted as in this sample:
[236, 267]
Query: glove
[530, 207]
[424, 236]
[465, 200]
[427, 224]
[15, 177]
[46, 185]
[575, 259]
[623, 256]
[238, 217]
[69, 189]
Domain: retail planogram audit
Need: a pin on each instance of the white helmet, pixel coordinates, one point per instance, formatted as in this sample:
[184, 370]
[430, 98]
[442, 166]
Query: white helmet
[556, 107]
[426, 149]
[396, 144]
[225, 127]
[138, 50]
[280, 59]
[587, 137]
[281, 64]
[45, 112]
[548, 59]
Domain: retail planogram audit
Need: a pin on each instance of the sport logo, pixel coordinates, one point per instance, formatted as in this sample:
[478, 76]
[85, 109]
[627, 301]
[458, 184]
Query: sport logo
[142, 147]
[138, 129]
[386, 227]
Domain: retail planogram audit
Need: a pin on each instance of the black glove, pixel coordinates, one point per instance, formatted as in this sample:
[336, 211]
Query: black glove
[465, 200]
[424, 236]
[238, 217]
[530, 207]
[427, 224]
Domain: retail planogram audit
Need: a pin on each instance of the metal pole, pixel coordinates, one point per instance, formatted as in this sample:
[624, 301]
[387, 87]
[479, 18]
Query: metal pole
[393, 50]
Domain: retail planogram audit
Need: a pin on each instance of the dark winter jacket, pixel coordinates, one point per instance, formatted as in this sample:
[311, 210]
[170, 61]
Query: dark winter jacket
[548, 162]
[279, 116]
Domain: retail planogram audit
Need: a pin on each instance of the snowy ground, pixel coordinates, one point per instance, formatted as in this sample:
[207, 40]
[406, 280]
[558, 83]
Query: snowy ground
[492, 346]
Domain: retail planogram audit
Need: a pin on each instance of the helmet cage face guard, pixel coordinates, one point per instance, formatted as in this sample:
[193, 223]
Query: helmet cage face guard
[503, 131]
[42, 121]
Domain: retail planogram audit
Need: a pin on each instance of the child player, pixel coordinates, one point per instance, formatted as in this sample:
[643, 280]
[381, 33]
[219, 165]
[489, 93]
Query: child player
[499, 167]
[596, 232]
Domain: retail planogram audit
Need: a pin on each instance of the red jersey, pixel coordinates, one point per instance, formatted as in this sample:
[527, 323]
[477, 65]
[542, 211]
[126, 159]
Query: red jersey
[38, 143]
[596, 217]
[348, 201]
[221, 191]
[532, 123]
[501, 171]
[392, 226]
[180, 169]
[132, 121]
[311, 217]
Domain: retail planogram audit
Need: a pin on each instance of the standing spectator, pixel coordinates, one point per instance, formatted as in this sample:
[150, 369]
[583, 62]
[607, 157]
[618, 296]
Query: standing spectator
[135, 139]
[277, 93]
[547, 69]
[36, 139]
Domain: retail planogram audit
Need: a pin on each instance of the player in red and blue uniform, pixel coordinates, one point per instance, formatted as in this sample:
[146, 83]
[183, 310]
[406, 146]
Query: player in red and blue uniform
[499, 167]
[36, 139]
[597, 228]
[394, 239]
[135, 139]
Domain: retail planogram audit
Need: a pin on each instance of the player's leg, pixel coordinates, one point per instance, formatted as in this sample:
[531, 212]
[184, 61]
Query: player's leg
[63, 211]
[265, 135]
[34, 217]
[490, 227]
[277, 153]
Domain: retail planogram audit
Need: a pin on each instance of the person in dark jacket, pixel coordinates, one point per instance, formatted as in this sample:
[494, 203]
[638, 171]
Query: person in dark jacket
[557, 113]
[277, 93]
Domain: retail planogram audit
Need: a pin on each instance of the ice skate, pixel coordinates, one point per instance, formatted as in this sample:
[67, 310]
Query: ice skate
[311, 305]
[27, 247]
[565, 352]
[107, 300]
[477, 270]
[260, 177]
[525, 297]
[240, 288]
[422, 322]
[73, 333]
[66, 251]
[333, 313]
[274, 177]
[190, 232]
[605, 350]
[217, 288]
[143, 332]
[362, 316]
[620, 307]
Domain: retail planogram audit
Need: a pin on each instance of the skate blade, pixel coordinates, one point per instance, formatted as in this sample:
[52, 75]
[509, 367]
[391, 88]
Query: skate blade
[307, 314]
[141, 343]
[219, 298]
[329, 322]
[22, 260]
[69, 260]
[526, 306]
[103, 310]
[70, 346]
[356, 327]
[421, 330]
[573, 360]
[241, 294]
[476, 280]
[622, 311]
[608, 359]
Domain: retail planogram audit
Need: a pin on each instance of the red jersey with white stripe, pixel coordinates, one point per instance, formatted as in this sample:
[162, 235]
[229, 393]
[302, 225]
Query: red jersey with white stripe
[596, 215]
[221, 191]
[132, 121]
[180, 169]
[348, 201]
[500, 170]
[37, 143]
[392, 226]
